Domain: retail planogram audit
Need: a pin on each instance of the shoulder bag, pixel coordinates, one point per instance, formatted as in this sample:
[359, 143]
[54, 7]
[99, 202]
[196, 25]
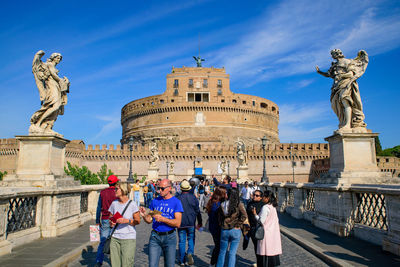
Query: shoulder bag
[259, 233]
[106, 248]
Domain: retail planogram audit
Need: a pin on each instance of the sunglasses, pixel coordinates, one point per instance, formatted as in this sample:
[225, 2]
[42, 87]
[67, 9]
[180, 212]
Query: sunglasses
[257, 195]
[162, 188]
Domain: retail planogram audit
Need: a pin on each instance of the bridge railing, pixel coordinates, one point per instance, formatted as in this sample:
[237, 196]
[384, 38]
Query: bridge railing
[29, 213]
[369, 212]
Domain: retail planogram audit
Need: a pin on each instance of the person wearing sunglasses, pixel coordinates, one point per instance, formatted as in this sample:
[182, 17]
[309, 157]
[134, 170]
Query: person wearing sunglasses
[256, 203]
[165, 216]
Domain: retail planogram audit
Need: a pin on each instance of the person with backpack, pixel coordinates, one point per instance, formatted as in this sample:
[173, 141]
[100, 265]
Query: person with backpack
[106, 197]
[186, 231]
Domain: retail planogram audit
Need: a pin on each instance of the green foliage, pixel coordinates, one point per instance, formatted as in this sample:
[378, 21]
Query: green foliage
[135, 177]
[378, 146]
[143, 179]
[2, 174]
[103, 173]
[391, 152]
[81, 174]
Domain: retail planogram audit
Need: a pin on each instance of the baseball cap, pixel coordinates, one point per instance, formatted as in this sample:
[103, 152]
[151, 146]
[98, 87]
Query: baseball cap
[112, 179]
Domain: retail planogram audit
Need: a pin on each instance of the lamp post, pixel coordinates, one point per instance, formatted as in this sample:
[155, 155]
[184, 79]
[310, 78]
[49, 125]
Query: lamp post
[130, 178]
[292, 159]
[264, 177]
[167, 167]
[229, 163]
[194, 167]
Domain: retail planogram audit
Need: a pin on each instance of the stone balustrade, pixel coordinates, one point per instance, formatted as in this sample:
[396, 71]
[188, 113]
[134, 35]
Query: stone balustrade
[30, 213]
[368, 212]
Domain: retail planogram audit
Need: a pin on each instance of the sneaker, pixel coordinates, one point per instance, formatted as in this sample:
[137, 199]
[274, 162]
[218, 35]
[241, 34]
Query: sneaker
[254, 264]
[98, 264]
[190, 259]
[182, 264]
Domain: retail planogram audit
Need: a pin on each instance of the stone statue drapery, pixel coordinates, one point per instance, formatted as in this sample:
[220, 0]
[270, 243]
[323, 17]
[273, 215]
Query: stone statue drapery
[345, 94]
[241, 153]
[53, 93]
[153, 155]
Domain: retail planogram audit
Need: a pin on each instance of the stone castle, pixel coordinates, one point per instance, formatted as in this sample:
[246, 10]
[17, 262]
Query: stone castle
[195, 123]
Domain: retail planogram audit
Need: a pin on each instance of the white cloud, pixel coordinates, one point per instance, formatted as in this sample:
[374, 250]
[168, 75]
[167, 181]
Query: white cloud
[302, 122]
[112, 123]
[294, 36]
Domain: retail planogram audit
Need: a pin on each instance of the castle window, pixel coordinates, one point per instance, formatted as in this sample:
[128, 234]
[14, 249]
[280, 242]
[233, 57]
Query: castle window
[245, 119]
[142, 104]
[177, 146]
[244, 102]
[176, 83]
[190, 83]
[234, 101]
[377, 160]
[273, 108]
[162, 101]
[219, 84]
[263, 105]
[294, 164]
[198, 97]
[387, 160]
[205, 83]
[172, 100]
[254, 103]
[219, 92]
[152, 103]
[303, 163]
[176, 92]
[190, 97]
[167, 118]
[198, 146]
[222, 100]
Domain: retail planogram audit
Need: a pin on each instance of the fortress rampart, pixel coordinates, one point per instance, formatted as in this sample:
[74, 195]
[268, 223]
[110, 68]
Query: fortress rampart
[311, 159]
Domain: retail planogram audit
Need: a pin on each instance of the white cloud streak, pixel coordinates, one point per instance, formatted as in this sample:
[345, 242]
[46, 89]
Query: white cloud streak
[294, 36]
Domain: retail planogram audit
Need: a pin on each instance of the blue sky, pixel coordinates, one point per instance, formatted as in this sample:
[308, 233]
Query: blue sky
[116, 52]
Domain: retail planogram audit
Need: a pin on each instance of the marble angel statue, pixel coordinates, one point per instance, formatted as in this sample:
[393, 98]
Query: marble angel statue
[171, 167]
[153, 155]
[222, 166]
[345, 94]
[52, 91]
[241, 153]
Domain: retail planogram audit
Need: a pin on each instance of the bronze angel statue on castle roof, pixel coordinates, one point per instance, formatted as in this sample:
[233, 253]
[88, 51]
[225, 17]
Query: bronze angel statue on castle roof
[52, 91]
[345, 94]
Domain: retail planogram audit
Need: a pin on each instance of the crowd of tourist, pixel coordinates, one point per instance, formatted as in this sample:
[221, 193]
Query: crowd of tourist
[174, 210]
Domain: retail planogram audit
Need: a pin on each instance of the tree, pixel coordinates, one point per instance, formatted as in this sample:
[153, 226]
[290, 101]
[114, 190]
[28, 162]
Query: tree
[103, 173]
[81, 174]
[2, 174]
[378, 146]
[143, 179]
[391, 152]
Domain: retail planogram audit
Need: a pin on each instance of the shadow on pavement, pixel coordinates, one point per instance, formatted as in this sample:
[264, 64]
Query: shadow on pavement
[89, 257]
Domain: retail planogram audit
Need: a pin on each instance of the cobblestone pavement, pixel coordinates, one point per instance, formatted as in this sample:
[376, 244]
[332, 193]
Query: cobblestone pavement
[293, 255]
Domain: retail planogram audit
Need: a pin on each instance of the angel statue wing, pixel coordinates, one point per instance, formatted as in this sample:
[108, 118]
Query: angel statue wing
[41, 73]
[360, 63]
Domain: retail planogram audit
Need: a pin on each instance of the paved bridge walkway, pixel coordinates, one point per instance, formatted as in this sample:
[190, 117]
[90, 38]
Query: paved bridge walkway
[303, 245]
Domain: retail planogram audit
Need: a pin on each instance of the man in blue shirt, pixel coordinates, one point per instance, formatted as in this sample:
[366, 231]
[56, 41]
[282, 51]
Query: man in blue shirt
[163, 237]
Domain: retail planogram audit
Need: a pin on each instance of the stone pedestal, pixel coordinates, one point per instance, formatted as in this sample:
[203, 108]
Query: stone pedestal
[353, 160]
[152, 173]
[171, 177]
[243, 172]
[40, 162]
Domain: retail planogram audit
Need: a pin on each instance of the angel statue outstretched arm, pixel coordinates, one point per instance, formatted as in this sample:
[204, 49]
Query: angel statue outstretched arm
[52, 92]
[345, 94]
